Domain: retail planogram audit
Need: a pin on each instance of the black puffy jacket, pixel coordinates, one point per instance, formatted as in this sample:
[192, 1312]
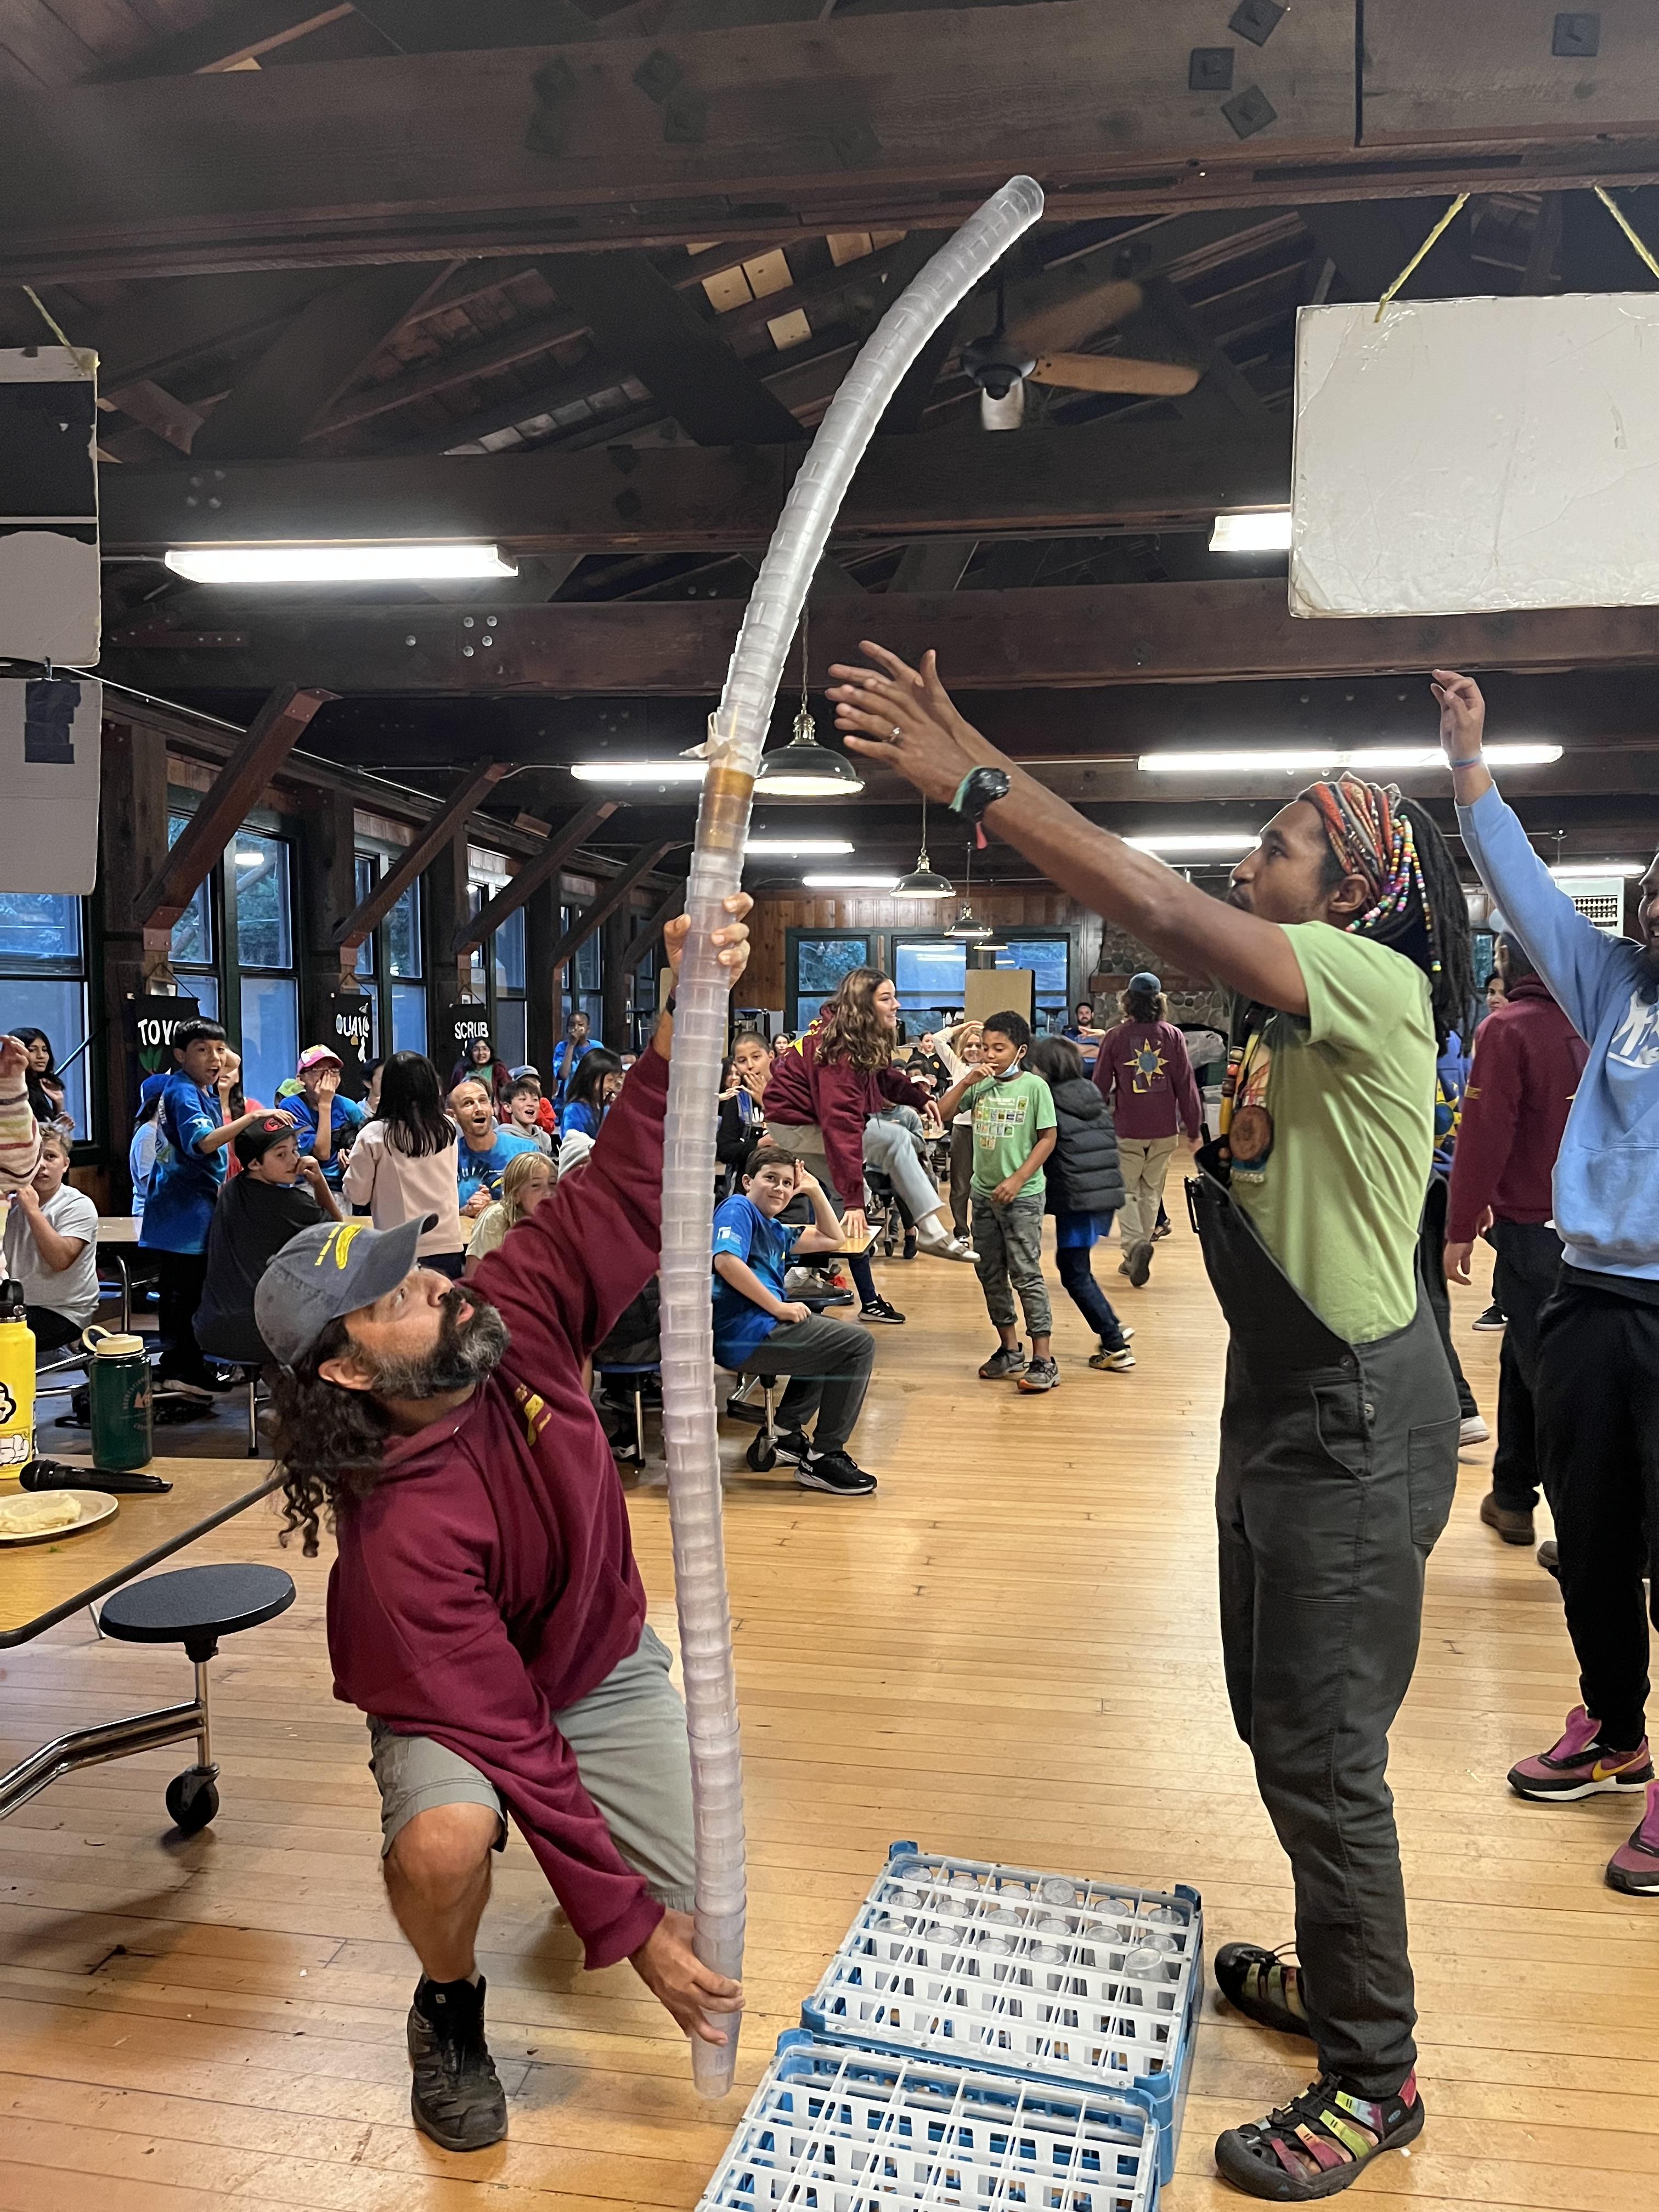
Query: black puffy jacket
[1082, 1172]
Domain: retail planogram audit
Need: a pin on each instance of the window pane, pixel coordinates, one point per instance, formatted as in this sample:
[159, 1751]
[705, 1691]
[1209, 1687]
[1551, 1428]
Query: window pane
[39, 928]
[402, 936]
[264, 939]
[192, 933]
[271, 1034]
[368, 871]
[510, 1032]
[592, 1004]
[60, 1009]
[822, 962]
[204, 989]
[587, 964]
[408, 1017]
[509, 953]
[1050, 957]
[929, 974]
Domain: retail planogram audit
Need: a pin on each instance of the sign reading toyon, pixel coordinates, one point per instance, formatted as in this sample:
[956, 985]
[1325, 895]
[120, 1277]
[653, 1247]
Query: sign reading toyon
[154, 1018]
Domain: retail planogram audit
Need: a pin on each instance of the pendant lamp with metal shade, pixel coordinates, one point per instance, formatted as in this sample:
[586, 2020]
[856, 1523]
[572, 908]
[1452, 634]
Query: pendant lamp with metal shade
[804, 769]
[924, 881]
[965, 930]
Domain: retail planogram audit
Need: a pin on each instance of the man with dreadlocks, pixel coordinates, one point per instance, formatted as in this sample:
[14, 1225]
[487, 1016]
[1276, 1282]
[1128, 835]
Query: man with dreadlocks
[1596, 1387]
[1346, 937]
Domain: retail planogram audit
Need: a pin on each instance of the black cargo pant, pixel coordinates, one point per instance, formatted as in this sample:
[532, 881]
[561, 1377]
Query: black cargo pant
[1598, 1443]
[1338, 1463]
[1431, 1268]
[1528, 1270]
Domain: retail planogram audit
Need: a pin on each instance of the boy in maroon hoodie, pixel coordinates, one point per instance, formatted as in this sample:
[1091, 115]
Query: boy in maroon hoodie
[485, 1611]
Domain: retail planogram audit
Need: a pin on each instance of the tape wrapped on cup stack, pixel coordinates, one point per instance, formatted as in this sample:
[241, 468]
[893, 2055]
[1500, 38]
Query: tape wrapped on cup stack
[737, 732]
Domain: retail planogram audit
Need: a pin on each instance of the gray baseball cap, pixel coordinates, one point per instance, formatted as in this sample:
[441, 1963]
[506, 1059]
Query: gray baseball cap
[1146, 981]
[327, 1272]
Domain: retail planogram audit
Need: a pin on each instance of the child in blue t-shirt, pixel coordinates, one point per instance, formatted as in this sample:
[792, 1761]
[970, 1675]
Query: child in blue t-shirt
[190, 1137]
[589, 1094]
[326, 1121]
[759, 1329]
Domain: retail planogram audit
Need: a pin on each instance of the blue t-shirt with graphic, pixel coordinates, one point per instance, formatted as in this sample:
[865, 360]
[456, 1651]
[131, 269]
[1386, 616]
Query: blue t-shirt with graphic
[579, 1120]
[346, 1119]
[741, 1228]
[184, 1183]
[484, 1170]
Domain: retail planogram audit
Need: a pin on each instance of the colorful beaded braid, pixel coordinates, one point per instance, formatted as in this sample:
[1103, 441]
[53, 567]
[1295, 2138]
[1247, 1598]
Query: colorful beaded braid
[1371, 834]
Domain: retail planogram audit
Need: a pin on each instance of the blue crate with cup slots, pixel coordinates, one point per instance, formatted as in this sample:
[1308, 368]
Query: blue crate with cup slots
[1095, 1984]
[839, 2129]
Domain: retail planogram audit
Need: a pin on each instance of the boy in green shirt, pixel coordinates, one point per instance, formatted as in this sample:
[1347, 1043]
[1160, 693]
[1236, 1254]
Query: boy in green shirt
[1014, 1127]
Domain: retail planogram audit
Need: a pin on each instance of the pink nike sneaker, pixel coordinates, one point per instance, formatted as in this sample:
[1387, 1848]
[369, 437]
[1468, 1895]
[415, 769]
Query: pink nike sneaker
[1634, 1867]
[1581, 1764]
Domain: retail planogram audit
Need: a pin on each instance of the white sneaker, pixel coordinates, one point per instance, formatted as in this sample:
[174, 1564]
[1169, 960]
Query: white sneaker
[1472, 1431]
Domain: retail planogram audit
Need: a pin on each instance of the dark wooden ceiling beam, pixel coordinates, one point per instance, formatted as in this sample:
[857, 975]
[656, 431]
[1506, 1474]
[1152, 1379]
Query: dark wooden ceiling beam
[1144, 476]
[614, 894]
[559, 848]
[652, 928]
[369, 913]
[1080, 635]
[269, 741]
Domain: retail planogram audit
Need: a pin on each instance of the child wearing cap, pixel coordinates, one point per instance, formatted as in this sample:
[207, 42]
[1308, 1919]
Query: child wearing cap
[1143, 1072]
[326, 1121]
[277, 1194]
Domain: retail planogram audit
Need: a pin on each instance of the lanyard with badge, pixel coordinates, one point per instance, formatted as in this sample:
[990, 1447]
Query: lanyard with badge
[1246, 1126]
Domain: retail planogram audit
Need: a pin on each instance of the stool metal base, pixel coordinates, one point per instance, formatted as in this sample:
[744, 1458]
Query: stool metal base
[123, 1739]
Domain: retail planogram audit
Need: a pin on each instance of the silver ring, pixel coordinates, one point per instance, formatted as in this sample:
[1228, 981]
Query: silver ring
[898, 734]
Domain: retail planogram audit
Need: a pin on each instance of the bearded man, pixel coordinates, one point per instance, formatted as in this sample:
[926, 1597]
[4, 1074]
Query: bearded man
[485, 1611]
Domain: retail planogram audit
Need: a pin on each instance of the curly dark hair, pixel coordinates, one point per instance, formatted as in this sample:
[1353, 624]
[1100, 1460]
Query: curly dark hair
[345, 1434]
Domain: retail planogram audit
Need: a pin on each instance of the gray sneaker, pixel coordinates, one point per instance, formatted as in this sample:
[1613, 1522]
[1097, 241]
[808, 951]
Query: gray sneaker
[1138, 1264]
[457, 2097]
[1041, 1375]
[1008, 1359]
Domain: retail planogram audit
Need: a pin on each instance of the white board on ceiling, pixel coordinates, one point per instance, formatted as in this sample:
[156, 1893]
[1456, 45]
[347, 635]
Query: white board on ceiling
[49, 576]
[1475, 456]
[50, 737]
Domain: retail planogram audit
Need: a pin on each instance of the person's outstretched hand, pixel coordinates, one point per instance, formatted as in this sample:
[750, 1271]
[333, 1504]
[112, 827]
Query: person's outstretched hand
[679, 1981]
[13, 1059]
[732, 938]
[1462, 714]
[905, 717]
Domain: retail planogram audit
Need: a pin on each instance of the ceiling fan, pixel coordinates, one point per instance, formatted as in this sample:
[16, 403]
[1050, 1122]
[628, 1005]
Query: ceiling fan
[1033, 352]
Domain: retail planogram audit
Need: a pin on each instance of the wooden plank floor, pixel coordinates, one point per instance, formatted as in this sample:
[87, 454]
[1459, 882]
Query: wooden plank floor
[1012, 1653]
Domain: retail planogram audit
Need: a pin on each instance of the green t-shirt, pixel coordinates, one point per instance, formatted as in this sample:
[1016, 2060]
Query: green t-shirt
[1011, 1112]
[1350, 1090]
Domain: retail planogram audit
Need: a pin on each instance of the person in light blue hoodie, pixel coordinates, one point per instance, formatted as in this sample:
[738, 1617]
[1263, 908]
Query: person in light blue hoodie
[1598, 1354]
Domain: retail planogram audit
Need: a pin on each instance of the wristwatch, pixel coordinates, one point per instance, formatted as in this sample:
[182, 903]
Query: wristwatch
[980, 788]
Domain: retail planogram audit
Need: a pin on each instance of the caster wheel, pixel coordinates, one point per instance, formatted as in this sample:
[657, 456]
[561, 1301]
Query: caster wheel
[763, 1455]
[191, 1800]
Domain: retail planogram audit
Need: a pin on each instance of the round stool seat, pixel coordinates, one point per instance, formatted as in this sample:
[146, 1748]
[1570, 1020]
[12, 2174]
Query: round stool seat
[195, 1606]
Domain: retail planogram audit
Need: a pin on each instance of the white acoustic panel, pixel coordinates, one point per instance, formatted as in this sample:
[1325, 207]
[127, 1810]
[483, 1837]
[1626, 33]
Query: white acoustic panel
[49, 596]
[49, 738]
[1476, 456]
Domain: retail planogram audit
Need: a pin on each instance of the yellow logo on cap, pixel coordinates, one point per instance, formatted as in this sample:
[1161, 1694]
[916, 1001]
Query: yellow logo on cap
[338, 1240]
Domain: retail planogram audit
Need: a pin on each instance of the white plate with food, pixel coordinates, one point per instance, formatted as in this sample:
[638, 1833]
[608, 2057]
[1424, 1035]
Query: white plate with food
[40, 1517]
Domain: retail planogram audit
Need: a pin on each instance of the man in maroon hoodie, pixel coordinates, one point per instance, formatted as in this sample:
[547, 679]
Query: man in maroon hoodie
[1528, 1061]
[485, 1611]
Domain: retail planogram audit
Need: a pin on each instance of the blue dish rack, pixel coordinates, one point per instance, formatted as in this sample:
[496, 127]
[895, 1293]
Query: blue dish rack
[833, 2128]
[1055, 1978]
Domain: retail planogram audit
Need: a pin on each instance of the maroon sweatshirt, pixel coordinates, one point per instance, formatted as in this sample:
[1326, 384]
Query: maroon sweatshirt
[1528, 1061]
[802, 1090]
[489, 1580]
[1147, 1080]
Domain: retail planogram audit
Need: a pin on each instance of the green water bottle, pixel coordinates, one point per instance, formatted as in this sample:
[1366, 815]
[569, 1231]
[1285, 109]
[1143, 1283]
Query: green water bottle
[118, 1381]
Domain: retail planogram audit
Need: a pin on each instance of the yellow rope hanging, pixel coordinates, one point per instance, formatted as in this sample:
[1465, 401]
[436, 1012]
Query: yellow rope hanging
[1623, 223]
[85, 357]
[1421, 251]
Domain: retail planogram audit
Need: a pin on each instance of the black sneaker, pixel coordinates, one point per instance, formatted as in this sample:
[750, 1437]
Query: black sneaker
[1041, 1375]
[795, 1445]
[910, 1250]
[1008, 1359]
[1138, 1264]
[879, 1309]
[837, 1473]
[1319, 2142]
[1493, 1318]
[457, 2097]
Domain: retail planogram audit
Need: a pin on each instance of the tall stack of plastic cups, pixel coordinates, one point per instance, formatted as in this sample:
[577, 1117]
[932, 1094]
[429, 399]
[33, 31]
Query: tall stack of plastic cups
[737, 733]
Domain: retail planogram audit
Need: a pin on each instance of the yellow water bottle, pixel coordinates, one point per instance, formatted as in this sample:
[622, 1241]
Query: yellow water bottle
[17, 1381]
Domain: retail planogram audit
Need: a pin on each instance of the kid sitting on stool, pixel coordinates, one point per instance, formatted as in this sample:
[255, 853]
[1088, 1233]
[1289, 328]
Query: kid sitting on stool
[1014, 1124]
[758, 1330]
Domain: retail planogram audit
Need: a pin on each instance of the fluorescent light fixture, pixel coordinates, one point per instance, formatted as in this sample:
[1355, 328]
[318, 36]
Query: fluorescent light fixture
[1265, 533]
[1165, 842]
[796, 847]
[249, 859]
[1630, 870]
[1301, 760]
[844, 880]
[334, 564]
[678, 770]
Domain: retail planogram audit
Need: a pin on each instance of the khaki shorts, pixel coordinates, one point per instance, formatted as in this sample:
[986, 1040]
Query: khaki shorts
[628, 1736]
